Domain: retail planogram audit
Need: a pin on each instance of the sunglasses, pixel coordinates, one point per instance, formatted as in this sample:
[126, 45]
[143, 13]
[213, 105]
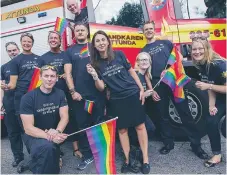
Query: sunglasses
[199, 38]
[8, 43]
[47, 67]
[26, 34]
[56, 32]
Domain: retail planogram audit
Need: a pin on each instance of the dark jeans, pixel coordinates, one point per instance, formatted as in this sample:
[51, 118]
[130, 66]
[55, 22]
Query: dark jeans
[84, 120]
[13, 128]
[162, 106]
[213, 125]
[44, 155]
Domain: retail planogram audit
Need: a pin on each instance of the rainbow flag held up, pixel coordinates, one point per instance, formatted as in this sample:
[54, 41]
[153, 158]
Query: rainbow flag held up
[84, 52]
[176, 78]
[172, 57]
[60, 25]
[102, 143]
[35, 81]
[88, 106]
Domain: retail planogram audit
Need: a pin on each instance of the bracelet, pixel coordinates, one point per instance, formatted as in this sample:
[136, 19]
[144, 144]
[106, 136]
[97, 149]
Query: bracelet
[59, 131]
[95, 78]
[210, 87]
[72, 91]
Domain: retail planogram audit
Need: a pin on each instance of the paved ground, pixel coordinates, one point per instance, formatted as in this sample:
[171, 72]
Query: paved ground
[179, 161]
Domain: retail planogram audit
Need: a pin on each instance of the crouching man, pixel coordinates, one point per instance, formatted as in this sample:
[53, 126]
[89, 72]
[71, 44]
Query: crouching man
[44, 114]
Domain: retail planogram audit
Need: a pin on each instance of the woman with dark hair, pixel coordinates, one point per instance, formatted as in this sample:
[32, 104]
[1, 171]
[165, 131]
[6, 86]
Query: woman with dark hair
[213, 78]
[126, 94]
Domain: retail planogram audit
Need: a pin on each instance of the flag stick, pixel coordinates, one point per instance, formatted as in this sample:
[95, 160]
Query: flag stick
[158, 82]
[93, 126]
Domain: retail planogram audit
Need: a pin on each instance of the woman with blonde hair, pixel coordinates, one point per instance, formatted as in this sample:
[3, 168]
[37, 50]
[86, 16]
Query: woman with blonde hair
[212, 68]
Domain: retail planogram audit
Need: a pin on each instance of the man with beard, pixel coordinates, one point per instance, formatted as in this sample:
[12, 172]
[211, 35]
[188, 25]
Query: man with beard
[82, 87]
[160, 51]
[11, 121]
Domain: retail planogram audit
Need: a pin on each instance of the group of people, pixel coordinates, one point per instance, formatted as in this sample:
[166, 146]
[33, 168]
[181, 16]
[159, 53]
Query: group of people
[44, 116]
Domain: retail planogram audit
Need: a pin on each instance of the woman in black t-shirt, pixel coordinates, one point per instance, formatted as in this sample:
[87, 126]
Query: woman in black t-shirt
[126, 94]
[212, 69]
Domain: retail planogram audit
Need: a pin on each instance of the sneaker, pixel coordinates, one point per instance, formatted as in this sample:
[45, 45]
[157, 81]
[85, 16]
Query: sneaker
[84, 163]
[145, 168]
[128, 168]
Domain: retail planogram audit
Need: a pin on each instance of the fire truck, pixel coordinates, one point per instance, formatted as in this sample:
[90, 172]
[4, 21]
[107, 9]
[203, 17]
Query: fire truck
[176, 20]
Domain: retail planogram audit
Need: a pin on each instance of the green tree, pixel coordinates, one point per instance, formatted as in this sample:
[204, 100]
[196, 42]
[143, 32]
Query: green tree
[215, 8]
[130, 15]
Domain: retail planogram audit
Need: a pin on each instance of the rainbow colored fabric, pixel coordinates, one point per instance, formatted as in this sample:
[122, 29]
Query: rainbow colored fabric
[84, 52]
[35, 81]
[172, 57]
[102, 143]
[88, 106]
[60, 25]
[176, 78]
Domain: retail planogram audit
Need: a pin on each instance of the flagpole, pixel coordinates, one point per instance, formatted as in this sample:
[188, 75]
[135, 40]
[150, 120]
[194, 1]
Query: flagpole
[93, 126]
[158, 82]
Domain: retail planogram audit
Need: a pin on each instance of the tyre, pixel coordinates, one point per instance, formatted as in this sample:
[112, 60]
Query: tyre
[198, 105]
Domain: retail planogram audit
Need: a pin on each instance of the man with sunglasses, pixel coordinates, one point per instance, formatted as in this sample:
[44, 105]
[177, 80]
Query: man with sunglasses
[82, 87]
[44, 114]
[11, 121]
[160, 51]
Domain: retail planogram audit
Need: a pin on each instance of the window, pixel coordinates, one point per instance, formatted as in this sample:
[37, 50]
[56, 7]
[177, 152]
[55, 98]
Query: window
[118, 12]
[194, 9]
[9, 2]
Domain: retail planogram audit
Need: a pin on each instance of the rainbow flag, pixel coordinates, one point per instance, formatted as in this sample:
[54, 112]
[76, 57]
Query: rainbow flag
[172, 57]
[84, 52]
[88, 106]
[102, 143]
[176, 78]
[35, 81]
[60, 25]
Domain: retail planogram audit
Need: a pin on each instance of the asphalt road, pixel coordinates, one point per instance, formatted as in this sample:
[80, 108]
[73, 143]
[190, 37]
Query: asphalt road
[179, 161]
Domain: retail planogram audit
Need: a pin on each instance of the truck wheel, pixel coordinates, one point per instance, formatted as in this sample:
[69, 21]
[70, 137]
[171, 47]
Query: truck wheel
[198, 105]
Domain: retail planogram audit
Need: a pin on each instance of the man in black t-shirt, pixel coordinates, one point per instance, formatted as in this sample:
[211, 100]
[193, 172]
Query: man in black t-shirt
[10, 119]
[81, 15]
[160, 51]
[44, 114]
[82, 88]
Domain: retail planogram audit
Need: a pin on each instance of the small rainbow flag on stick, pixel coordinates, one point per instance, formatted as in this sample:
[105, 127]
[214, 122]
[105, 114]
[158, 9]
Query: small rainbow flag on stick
[172, 57]
[102, 143]
[35, 82]
[84, 52]
[60, 25]
[88, 106]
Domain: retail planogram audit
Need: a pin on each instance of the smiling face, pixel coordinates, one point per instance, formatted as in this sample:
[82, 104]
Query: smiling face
[54, 40]
[101, 43]
[26, 43]
[73, 6]
[49, 78]
[143, 61]
[148, 30]
[198, 51]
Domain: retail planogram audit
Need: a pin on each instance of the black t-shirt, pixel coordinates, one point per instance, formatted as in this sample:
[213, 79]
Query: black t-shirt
[44, 107]
[115, 74]
[142, 80]
[215, 73]
[55, 59]
[159, 51]
[83, 82]
[23, 67]
[5, 75]
[81, 18]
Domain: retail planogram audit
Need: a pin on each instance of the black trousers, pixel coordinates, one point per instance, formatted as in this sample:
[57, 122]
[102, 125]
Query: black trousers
[45, 155]
[13, 128]
[83, 120]
[162, 106]
[213, 125]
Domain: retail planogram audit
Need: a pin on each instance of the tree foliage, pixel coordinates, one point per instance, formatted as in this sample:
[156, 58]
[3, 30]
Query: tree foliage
[130, 15]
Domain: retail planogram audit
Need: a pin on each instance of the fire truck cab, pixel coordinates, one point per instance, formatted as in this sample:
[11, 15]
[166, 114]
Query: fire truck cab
[176, 20]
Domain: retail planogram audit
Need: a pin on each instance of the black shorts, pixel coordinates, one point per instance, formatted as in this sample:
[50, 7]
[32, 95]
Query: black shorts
[130, 111]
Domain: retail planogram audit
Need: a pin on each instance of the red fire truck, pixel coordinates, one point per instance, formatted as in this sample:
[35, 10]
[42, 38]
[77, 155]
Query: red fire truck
[176, 20]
